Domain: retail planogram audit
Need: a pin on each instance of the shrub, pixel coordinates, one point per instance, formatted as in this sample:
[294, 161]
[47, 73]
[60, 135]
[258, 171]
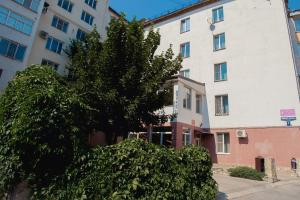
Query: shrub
[136, 170]
[39, 130]
[246, 172]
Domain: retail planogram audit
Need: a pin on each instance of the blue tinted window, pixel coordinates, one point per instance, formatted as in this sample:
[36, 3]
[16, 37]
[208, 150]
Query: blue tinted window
[219, 41]
[3, 46]
[218, 15]
[297, 24]
[12, 49]
[20, 53]
[65, 4]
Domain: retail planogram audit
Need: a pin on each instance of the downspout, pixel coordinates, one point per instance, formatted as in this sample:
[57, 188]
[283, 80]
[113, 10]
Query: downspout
[291, 45]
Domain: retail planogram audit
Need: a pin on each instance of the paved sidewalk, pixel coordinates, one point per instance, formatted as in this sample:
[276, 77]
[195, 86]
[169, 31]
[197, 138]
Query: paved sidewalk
[243, 189]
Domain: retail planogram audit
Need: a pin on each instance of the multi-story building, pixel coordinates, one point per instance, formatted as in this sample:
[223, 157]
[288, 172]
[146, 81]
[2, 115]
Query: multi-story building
[39, 31]
[61, 21]
[242, 51]
[18, 25]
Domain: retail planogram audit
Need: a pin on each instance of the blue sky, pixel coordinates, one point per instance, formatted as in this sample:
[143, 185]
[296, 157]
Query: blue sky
[151, 8]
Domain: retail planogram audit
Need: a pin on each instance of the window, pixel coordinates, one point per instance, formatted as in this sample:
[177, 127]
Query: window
[198, 103]
[1, 72]
[30, 4]
[218, 15]
[54, 45]
[60, 24]
[186, 137]
[92, 3]
[15, 21]
[222, 107]
[80, 35]
[185, 73]
[87, 17]
[12, 49]
[50, 63]
[221, 72]
[223, 142]
[219, 41]
[65, 4]
[297, 25]
[187, 101]
[185, 25]
[185, 50]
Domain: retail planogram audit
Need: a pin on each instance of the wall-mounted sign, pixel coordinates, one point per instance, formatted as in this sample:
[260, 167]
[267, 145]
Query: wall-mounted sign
[288, 115]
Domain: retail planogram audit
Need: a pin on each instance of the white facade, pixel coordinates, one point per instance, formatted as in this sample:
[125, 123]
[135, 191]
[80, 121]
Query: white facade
[11, 31]
[73, 18]
[261, 77]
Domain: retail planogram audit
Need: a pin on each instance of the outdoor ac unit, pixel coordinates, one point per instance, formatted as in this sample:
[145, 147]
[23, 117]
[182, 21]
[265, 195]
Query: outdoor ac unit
[44, 35]
[241, 134]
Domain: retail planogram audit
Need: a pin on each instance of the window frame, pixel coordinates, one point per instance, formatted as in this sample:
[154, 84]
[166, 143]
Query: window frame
[58, 46]
[70, 5]
[223, 113]
[93, 4]
[183, 46]
[17, 49]
[199, 103]
[84, 15]
[297, 25]
[30, 7]
[225, 150]
[187, 137]
[65, 24]
[81, 38]
[50, 63]
[184, 26]
[214, 21]
[219, 41]
[185, 73]
[187, 100]
[219, 66]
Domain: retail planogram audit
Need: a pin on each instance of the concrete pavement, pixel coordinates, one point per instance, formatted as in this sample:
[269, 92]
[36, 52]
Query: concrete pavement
[243, 189]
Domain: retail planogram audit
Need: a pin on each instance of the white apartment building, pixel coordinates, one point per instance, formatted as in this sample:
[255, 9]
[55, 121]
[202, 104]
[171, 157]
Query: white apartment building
[243, 52]
[18, 25]
[61, 21]
[39, 31]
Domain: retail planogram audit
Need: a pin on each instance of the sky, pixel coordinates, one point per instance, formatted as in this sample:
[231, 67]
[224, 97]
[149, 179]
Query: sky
[153, 8]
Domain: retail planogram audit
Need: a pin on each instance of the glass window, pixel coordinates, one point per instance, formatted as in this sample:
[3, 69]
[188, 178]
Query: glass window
[185, 25]
[185, 50]
[80, 35]
[221, 72]
[185, 73]
[186, 137]
[297, 25]
[187, 101]
[219, 41]
[60, 24]
[12, 49]
[222, 106]
[92, 3]
[15, 21]
[54, 45]
[223, 142]
[30, 4]
[87, 17]
[65, 4]
[53, 65]
[198, 104]
[1, 72]
[218, 14]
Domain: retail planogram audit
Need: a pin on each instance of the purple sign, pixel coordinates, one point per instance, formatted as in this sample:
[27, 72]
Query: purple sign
[287, 113]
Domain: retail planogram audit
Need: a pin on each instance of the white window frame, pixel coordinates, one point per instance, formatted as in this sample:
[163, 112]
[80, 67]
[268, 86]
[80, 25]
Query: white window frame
[19, 21]
[64, 22]
[51, 43]
[187, 100]
[91, 3]
[31, 4]
[219, 18]
[219, 44]
[185, 73]
[70, 4]
[218, 67]
[223, 151]
[222, 113]
[199, 104]
[16, 50]
[185, 25]
[185, 49]
[187, 137]
[84, 16]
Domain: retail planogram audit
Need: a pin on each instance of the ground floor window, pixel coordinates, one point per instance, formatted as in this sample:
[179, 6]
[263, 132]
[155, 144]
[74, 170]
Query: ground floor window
[186, 137]
[223, 142]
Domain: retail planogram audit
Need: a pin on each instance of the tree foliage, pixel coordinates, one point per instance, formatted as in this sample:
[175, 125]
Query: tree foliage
[135, 170]
[121, 78]
[40, 127]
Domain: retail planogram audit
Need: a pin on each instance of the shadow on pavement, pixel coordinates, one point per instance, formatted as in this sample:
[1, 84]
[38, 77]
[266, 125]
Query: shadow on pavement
[222, 196]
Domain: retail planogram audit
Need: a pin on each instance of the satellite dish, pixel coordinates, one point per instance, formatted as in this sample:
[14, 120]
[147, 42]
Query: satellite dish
[212, 27]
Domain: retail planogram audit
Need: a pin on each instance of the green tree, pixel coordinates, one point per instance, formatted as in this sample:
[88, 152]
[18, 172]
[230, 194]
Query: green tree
[41, 124]
[124, 77]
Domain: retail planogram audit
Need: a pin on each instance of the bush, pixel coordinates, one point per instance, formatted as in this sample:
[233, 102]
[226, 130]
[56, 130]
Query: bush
[136, 170]
[39, 130]
[246, 172]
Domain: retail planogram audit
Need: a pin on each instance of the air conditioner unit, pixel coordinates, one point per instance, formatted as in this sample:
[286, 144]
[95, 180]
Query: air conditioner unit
[241, 134]
[44, 35]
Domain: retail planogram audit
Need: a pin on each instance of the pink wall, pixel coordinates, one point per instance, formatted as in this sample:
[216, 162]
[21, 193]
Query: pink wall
[282, 144]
